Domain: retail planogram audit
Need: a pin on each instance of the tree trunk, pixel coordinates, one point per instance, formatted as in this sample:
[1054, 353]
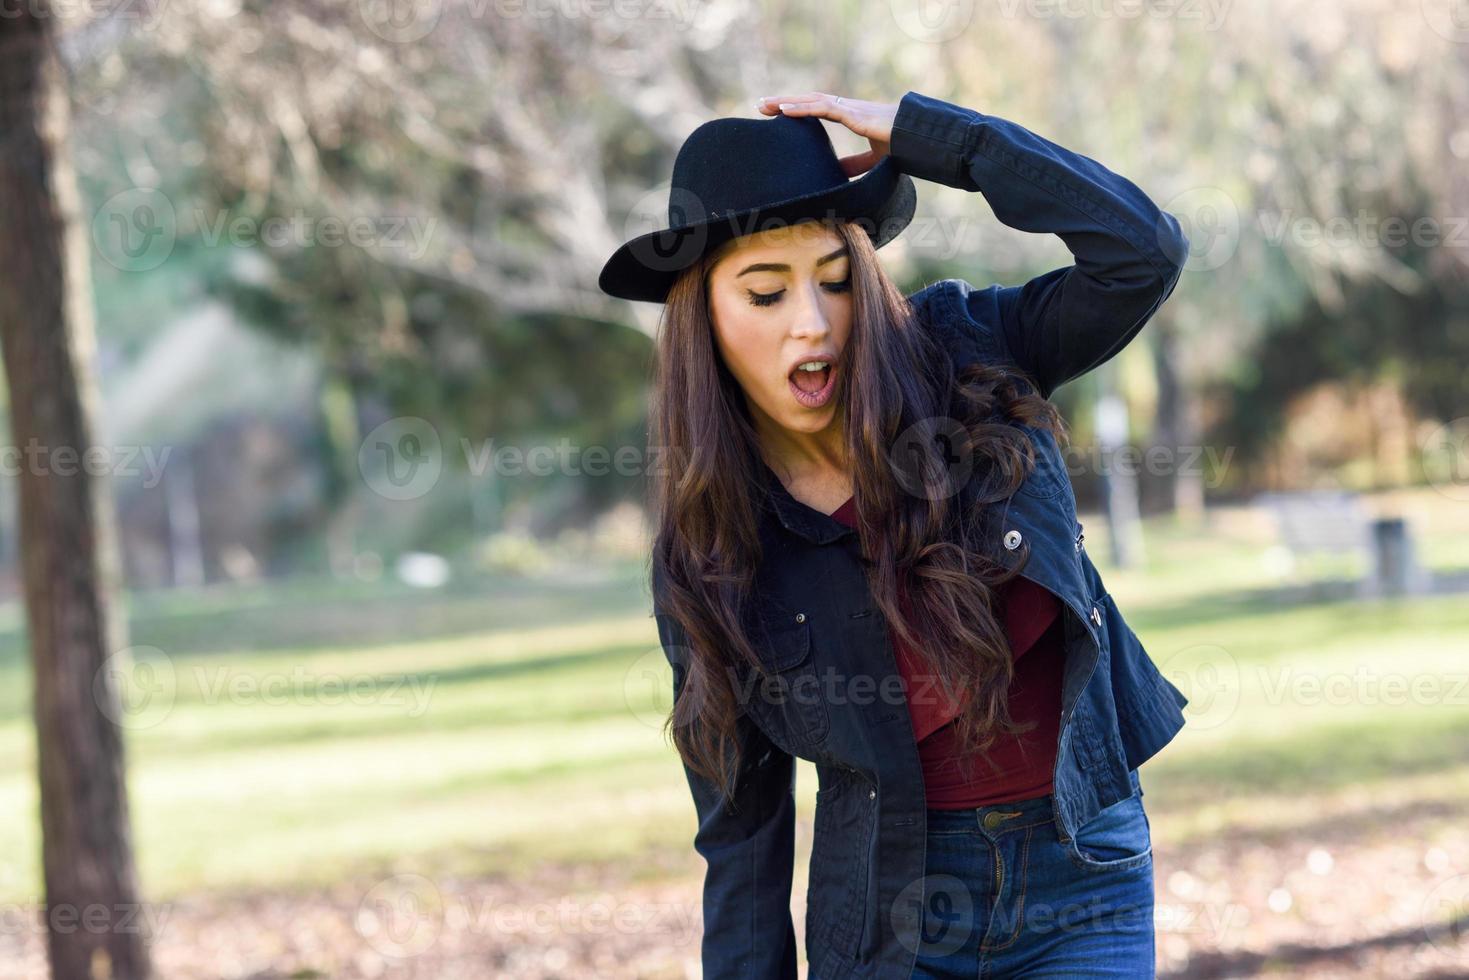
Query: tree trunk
[1177, 425]
[1120, 503]
[93, 916]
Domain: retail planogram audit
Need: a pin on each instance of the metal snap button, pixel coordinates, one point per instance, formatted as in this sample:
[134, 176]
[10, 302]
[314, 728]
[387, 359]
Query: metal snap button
[1012, 540]
[1096, 615]
[800, 617]
[872, 794]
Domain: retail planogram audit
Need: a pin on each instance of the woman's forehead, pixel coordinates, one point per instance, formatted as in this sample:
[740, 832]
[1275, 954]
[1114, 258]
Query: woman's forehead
[800, 243]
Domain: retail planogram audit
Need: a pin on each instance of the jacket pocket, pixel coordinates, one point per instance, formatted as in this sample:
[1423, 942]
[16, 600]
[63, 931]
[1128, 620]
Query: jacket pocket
[1119, 838]
[1049, 477]
[836, 911]
[788, 697]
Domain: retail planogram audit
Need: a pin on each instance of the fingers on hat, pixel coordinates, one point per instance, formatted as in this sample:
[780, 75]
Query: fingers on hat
[804, 102]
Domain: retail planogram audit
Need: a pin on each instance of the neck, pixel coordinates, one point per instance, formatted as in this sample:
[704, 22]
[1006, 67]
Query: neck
[792, 453]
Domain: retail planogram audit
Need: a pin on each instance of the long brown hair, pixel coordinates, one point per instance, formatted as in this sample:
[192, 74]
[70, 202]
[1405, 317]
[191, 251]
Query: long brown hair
[892, 374]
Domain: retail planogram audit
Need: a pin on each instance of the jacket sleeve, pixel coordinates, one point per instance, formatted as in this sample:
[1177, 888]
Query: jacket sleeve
[748, 845]
[1128, 253]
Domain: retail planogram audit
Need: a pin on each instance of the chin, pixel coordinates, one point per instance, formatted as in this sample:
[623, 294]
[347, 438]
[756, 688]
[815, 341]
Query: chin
[809, 421]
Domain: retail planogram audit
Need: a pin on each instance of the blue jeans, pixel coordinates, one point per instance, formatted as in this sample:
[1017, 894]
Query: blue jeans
[1005, 898]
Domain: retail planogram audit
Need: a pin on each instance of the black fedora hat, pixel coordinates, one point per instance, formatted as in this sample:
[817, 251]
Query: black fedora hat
[736, 176]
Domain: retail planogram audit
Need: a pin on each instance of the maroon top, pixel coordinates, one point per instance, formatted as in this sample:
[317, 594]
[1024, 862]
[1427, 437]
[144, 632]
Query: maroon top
[1022, 765]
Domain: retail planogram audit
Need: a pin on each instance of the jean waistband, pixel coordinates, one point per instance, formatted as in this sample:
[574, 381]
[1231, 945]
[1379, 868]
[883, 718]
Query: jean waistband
[1015, 813]
[999, 816]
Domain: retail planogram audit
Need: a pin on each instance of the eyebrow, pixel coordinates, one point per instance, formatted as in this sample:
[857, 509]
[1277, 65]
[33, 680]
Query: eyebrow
[782, 267]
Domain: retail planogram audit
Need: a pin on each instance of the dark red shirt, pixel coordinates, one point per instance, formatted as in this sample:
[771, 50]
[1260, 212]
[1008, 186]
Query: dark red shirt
[1019, 767]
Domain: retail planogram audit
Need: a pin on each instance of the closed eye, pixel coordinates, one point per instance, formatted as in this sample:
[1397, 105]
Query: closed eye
[770, 299]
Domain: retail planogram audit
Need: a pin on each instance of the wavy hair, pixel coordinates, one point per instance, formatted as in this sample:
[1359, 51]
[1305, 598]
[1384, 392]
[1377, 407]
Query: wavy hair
[892, 375]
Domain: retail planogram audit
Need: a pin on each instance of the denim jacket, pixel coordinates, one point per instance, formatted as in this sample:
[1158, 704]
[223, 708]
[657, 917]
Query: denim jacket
[831, 696]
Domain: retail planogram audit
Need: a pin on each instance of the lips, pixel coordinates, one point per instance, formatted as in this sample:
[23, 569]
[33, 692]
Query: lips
[813, 389]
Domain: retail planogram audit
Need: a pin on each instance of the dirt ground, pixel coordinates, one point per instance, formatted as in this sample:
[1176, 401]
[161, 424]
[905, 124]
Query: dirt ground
[1381, 903]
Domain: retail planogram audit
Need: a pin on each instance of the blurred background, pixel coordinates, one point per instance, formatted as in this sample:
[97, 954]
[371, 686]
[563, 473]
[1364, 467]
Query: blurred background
[348, 670]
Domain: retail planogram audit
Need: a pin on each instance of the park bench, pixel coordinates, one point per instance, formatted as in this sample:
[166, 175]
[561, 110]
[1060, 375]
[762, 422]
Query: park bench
[1377, 554]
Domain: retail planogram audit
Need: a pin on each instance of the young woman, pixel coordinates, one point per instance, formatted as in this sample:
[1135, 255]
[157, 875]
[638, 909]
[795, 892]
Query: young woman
[868, 556]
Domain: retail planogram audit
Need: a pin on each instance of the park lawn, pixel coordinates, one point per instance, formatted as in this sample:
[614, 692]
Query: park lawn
[507, 723]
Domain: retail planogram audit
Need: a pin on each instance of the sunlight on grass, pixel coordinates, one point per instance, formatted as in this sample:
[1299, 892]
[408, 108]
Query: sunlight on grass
[316, 735]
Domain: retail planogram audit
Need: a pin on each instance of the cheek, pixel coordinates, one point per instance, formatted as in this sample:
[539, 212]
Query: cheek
[748, 343]
[839, 317]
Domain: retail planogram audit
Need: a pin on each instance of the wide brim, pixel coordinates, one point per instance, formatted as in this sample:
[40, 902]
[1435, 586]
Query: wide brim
[882, 201]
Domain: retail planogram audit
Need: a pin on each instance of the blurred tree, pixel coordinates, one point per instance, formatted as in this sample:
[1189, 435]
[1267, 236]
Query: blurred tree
[66, 526]
[495, 154]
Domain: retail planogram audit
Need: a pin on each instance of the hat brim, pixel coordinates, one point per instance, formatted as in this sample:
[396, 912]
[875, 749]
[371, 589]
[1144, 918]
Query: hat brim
[882, 201]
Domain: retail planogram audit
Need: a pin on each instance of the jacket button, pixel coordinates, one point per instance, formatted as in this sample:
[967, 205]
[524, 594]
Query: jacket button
[872, 794]
[1012, 540]
[1096, 615]
[800, 617]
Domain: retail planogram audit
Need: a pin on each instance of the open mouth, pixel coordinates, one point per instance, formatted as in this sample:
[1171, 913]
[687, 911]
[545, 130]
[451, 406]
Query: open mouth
[813, 383]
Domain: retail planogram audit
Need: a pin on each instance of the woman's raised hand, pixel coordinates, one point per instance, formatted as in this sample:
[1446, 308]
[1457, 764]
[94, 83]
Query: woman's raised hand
[873, 120]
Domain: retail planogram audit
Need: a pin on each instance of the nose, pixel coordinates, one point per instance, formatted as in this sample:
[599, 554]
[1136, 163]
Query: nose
[809, 317]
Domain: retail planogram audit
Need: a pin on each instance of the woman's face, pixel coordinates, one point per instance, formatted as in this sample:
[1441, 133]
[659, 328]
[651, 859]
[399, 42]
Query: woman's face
[779, 299]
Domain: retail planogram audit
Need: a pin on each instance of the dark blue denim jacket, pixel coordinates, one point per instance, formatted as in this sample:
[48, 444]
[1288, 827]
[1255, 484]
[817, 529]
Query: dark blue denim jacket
[831, 697]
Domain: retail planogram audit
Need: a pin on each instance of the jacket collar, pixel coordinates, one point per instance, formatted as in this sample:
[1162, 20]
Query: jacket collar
[797, 517]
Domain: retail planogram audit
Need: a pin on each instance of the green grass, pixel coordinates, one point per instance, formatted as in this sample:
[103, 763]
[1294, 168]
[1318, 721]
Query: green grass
[503, 723]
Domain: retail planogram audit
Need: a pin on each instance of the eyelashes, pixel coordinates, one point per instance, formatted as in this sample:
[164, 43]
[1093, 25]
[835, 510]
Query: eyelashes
[770, 299]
